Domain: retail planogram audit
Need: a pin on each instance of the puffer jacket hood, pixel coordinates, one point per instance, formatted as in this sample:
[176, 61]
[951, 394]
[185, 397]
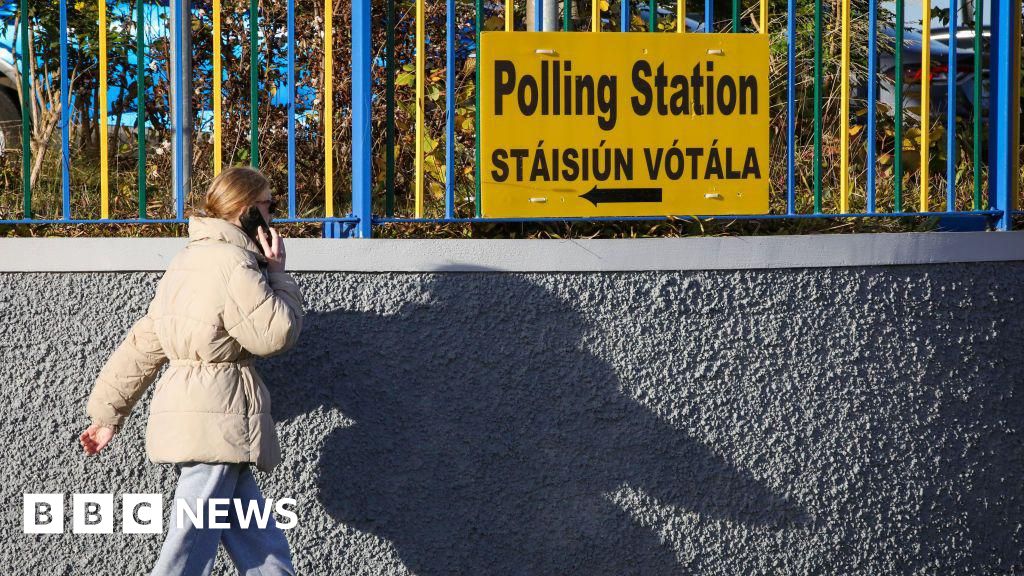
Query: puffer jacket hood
[216, 309]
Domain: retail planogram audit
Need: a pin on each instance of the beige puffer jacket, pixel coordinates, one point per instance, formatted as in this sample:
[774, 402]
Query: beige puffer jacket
[215, 309]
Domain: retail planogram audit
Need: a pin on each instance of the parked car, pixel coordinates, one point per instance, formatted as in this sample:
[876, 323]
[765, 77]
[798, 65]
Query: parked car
[10, 109]
[643, 10]
[885, 85]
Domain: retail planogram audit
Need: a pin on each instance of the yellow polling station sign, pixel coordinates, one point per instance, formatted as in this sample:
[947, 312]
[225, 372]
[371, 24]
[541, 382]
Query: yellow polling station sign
[623, 124]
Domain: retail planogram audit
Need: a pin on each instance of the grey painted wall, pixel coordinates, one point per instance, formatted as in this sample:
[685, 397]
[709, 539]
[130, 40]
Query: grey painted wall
[819, 421]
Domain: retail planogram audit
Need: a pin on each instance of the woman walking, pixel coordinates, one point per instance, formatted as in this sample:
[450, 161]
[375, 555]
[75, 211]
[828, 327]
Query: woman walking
[223, 301]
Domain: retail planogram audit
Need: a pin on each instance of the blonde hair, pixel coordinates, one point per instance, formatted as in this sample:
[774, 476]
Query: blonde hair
[232, 190]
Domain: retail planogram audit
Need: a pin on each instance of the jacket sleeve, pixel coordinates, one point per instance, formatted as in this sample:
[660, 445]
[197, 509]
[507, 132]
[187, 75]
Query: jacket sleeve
[263, 314]
[128, 372]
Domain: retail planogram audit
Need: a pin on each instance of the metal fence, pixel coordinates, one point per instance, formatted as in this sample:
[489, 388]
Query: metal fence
[997, 73]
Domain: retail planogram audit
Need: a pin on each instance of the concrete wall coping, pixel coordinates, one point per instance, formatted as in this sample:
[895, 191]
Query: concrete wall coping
[458, 255]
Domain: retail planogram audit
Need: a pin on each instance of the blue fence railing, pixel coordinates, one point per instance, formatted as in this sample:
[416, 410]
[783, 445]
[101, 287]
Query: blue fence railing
[980, 74]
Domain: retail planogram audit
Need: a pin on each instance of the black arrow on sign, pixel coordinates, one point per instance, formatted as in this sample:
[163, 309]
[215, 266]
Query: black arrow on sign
[605, 195]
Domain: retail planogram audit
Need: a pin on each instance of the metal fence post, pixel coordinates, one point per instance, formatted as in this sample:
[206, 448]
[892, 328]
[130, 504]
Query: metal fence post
[65, 115]
[26, 111]
[1004, 109]
[181, 101]
[361, 145]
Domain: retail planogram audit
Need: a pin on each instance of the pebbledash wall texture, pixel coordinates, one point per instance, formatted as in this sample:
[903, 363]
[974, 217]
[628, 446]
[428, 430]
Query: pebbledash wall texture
[800, 420]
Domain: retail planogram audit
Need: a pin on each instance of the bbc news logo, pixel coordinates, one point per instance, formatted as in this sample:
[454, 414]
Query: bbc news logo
[143, 513]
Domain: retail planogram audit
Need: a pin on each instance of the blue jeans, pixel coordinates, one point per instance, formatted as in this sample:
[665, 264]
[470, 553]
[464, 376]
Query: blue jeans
[189, 551]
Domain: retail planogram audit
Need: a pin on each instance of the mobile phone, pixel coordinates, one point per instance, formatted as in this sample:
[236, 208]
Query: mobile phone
[251, 221]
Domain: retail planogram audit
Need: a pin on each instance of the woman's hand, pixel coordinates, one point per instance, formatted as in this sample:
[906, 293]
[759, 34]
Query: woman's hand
[273, 249]
[95, 438]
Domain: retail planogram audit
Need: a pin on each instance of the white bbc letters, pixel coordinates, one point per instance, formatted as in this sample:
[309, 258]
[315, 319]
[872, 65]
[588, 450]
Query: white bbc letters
[92, 513]
[183, 508]
[142, 514]
[293, 519]
[219, 508]
[43, 514]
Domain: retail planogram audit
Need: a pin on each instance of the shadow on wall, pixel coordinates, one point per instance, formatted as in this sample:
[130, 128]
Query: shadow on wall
[487, 438]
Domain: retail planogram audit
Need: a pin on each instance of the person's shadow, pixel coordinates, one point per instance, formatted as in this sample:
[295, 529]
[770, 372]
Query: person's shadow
[487, 437]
